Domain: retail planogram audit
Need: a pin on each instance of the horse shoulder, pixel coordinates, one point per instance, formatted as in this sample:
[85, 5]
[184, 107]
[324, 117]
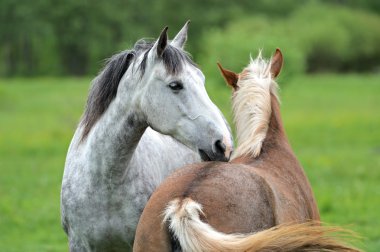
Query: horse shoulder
[292, 194]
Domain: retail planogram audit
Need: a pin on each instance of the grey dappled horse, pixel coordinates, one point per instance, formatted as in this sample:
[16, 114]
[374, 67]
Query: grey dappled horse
[147, 114]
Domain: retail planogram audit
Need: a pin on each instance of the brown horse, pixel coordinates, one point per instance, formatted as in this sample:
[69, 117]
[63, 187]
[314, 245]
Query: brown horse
[235, 206]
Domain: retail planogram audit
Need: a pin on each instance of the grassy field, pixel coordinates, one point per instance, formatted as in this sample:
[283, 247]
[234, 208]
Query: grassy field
[332, 121]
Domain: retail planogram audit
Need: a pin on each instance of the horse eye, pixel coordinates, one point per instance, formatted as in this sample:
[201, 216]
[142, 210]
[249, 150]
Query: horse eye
[175, 86]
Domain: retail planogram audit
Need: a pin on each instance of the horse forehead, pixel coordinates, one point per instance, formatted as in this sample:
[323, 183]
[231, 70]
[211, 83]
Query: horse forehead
[160, 71]
[200, 74]
[195, 74]
[189, 73]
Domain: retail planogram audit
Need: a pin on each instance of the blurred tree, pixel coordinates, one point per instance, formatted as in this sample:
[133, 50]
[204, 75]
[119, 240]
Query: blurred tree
[315, 38]
[20, 33]
[367, 5]
[72, 37]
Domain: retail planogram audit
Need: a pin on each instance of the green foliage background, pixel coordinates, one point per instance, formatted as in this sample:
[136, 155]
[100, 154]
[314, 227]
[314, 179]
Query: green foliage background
[330, 92]
[71, 37]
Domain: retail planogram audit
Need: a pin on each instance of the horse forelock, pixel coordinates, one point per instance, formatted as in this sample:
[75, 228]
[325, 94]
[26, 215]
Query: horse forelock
[252, 106]
[173, 59]
[104, 87]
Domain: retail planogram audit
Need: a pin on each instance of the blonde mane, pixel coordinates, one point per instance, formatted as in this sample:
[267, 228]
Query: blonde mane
[252, 106]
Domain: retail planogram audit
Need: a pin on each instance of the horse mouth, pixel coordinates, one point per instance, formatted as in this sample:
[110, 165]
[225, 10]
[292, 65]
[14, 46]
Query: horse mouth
[204, 156]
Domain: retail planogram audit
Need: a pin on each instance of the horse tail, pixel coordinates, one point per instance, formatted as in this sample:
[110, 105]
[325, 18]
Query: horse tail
[187, 229]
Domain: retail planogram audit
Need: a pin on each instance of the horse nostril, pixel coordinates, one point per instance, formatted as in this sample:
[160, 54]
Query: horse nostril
[220, 147]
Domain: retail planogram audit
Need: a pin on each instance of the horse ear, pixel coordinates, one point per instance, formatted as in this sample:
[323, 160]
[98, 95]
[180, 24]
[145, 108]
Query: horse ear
[276, 63]
[230, 77]
[161, 43]
[181, 38]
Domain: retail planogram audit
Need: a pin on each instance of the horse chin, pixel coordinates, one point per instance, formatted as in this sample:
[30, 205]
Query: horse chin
[204, 156]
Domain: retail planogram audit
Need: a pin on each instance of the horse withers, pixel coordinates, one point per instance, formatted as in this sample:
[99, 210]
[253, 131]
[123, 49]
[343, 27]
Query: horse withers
[147, 114]
[260, 201]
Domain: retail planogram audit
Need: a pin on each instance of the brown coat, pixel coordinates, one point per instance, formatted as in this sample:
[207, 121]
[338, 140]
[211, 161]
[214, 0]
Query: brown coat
[247, 195]
[244, 196]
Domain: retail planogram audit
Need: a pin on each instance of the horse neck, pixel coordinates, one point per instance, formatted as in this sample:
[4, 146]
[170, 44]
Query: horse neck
[275, 137]
[278, 165]
[277, 157]
[114, 138]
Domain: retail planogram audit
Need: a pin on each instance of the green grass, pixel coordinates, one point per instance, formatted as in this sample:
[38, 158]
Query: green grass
[37, 119]
[332, 122]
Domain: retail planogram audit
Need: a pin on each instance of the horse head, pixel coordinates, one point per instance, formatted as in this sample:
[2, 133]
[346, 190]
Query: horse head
[170, 95]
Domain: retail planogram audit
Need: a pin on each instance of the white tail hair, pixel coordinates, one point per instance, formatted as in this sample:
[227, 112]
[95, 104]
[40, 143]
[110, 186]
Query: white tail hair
[193, 235]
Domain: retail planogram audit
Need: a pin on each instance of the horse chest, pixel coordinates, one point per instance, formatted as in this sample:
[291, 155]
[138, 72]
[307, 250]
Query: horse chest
[101, 219]
[107, 233]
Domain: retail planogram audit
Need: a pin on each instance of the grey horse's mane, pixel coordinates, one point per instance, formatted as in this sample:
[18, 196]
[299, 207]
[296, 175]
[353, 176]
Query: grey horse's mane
[104, 86]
